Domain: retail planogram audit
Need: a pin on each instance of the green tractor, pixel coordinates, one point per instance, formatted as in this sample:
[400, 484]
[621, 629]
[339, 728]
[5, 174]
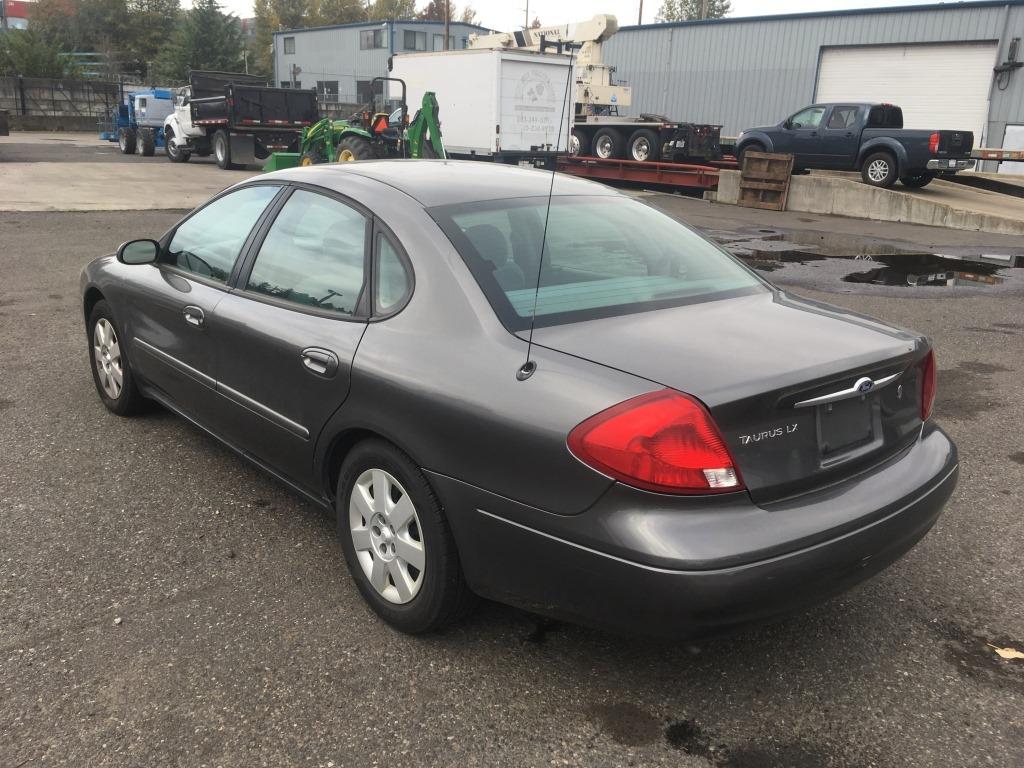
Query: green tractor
[368, 137]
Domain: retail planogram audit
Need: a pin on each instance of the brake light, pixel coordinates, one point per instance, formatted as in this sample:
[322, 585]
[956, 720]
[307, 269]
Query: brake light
[933, 143]
[662, 441]
[928, 385]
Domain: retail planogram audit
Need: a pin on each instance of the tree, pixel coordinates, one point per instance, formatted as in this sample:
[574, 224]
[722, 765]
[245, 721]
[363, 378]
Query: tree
[692, 10]
[535, 24]
[24, 52]
[151, 23]
[434, 11]
[206, 38]
[381, 10]
[340, 11]
[53, 21]
[468, 15]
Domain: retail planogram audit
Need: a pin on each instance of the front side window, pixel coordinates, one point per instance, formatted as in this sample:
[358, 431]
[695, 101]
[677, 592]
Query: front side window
[289, 45]
[313, 255]
[208, 242]
[808, 118]
[603, 256]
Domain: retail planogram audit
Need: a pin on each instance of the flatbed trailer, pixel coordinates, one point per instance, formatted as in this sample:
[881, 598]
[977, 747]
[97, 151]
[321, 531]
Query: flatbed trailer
[683, 176]
[647, 138]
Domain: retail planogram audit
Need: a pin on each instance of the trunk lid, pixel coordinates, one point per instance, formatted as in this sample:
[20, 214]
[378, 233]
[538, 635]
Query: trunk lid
[767, 366]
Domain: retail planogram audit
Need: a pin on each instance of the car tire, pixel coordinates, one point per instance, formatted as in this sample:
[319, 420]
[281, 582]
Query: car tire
[751, 147]
[222, 150]
[147, 142]
[352, 148]
[109, 360]
[409, 524]
[644, 146]
[578, 144]
[174, 154]
[918, 181]
[126, 141]
[879, 170]
[607, 144]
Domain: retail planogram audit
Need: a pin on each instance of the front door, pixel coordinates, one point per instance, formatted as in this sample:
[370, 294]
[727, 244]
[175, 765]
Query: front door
[800, 137]
[287, 337]
[173, 334]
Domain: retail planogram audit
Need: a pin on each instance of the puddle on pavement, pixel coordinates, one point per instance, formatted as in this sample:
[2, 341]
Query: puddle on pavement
[927, 270]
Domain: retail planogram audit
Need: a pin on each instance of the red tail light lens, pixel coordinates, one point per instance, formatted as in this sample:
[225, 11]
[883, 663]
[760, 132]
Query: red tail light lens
[933, 143]
[662, 441]
[927, 385]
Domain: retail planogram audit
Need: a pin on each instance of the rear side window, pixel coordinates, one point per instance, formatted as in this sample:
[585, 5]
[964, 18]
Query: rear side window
[208, 242]
[393, 283]
[603, 256]
[842, 118]
[313, 255]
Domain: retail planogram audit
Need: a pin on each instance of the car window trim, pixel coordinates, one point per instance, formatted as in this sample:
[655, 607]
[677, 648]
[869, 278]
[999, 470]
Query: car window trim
[382, 229]
[226, 285]
[361, 313]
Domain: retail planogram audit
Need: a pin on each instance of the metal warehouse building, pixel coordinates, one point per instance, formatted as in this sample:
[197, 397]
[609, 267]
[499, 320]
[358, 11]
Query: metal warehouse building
[340, 61]
[936, 61]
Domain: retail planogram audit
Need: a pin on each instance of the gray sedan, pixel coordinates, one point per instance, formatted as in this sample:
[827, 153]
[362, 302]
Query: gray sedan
[572, 404]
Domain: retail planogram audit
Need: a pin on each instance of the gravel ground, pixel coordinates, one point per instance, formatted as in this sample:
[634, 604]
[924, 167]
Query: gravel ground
[164, 603]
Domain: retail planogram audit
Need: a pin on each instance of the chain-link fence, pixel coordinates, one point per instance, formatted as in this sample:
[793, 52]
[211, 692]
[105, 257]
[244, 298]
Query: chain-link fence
[57, 98]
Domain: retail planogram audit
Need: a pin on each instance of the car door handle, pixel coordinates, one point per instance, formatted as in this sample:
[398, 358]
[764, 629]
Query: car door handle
[193, 316]
[321, 362]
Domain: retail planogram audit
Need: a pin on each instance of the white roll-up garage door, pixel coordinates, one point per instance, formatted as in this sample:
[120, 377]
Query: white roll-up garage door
[942, 86]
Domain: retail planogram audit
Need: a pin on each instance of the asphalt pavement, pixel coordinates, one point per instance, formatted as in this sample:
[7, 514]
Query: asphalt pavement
[164, 603]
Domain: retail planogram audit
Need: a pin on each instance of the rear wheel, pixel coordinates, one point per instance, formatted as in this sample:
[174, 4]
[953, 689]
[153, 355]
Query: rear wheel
[310, 158]
[918, 181]
[397, 543]
[147, 142]
[126, 141]
[607, 144]
[175, 153]
[644, 146]
[352, 148]
[111, 371]
[879, 170]
[578, 144]
[222, 150]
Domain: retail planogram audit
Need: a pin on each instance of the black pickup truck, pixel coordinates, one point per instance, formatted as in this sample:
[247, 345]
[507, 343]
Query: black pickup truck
[869, 138]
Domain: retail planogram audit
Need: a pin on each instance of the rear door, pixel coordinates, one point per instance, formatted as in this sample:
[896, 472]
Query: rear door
[840, 136]
[172, 303]
[288, 334]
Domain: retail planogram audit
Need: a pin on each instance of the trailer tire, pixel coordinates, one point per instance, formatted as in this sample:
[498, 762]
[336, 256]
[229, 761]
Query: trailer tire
[174, 154]
[607, 144]
[222, 150]
[147, 142]
[644, 146]
[578, 144]
[126, 141]
[352, 148]
[918, 181]
[879, 169]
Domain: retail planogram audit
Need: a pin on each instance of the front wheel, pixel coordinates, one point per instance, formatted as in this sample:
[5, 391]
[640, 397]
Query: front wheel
[742, 151]
[175, 153]
[352, 148]
[126, 141]
[397, 543]
[879, 170]
[147, 142]
[222, 150]
[918, 181]
[111, 371]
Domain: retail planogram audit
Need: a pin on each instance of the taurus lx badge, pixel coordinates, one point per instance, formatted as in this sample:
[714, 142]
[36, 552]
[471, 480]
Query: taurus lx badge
[768, 434]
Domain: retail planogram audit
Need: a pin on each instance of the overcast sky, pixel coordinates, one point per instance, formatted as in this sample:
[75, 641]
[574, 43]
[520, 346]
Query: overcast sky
[505, 15]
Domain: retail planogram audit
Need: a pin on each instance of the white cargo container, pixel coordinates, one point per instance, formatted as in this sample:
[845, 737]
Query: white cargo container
[500, 104]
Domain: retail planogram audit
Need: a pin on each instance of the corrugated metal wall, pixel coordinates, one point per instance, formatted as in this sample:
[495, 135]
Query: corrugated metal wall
[742, 74]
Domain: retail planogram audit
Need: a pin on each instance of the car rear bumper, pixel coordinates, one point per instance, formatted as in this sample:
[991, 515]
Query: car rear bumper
[949, 165]
[578, 568]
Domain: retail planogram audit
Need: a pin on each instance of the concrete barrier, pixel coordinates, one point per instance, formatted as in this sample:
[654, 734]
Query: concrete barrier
[76, 123]
[849, 197]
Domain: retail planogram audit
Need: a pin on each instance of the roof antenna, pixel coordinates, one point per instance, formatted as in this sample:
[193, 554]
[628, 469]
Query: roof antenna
[528, 368]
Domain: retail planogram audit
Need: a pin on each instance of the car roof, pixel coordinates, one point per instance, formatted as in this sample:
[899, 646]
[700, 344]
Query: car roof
[446, 182]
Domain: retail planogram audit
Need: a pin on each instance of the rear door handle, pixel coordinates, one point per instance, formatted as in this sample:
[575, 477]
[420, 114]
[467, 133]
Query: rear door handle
[193, 315]
[321, 362]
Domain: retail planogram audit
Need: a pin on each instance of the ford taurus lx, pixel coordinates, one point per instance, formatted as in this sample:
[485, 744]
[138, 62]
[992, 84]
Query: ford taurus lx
[530, 388]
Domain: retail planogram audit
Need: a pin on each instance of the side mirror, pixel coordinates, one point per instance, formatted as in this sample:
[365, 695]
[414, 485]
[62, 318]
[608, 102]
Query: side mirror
[788, 125]
[138, 252]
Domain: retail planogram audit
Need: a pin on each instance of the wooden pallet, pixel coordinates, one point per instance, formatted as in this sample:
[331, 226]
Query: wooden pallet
[764, 180]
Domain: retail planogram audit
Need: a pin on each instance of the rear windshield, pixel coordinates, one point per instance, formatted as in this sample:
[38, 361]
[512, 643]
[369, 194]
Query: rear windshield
[885, 116]
[603, 256]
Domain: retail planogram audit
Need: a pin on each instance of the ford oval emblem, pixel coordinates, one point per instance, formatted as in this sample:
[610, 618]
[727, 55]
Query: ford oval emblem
[864, 385]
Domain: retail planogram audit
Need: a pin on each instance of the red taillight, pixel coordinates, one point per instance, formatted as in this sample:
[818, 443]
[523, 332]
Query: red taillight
[933, 143]
[927, 385]
[662, 441]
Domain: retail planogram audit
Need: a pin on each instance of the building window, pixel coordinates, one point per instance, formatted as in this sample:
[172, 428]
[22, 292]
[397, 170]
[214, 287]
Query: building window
[439, 42]
[327, 89]
[368, 90]
[289, 45]
[415, 41]
[371, 38]
[288, 84]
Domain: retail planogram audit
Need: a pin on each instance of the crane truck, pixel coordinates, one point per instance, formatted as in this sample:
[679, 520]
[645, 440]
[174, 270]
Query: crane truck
[598, 128]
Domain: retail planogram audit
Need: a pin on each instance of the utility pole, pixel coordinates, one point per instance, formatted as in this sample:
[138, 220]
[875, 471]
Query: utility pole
[526, 20]
[704, 10]
[447, 21]
[640, 16]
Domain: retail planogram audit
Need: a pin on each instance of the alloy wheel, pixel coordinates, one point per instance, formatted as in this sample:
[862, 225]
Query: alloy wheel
[387, 536]
[878, 170]
[107, 356]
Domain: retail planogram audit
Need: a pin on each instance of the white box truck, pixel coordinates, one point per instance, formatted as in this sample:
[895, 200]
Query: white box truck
[506, 106]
